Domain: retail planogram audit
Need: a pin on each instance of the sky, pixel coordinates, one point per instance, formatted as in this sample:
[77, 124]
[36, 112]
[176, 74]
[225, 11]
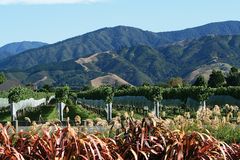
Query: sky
[55, 20]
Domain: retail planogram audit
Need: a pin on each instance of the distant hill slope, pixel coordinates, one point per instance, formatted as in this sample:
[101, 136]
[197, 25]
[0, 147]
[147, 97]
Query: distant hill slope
[18, 47]
[206, 50]
[141, 63]
[114, 39]
[8, 85]
[206, 70]
[110, 79]
[217, 28]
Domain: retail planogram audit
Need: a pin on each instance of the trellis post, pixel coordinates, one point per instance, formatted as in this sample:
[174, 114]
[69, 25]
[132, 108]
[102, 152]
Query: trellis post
[157, 108]
[203, 104]
[13, 112]
[109, 111]
[60, 107]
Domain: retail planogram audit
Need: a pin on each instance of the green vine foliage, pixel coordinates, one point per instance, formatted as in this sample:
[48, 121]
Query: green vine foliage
[101, 93]
[62, 93]
[17, 94]
[152, 93]
[155, 93]
[230, 91]
[197, 93]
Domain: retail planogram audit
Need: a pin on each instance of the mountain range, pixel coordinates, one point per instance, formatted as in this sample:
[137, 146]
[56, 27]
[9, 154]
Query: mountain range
[18, 47]
[128, 55]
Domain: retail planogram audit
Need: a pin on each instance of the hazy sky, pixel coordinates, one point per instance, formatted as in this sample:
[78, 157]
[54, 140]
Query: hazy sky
[55, 20]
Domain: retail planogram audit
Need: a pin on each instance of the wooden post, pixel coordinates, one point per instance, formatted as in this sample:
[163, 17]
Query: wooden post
[59, 111]
[204, 104]
[60, 107]
[109, 111]
[14, 116]
[156, 108]
[13, 112]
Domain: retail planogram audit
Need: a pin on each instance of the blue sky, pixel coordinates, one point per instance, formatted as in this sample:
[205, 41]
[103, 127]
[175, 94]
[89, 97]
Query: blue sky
[39, 20]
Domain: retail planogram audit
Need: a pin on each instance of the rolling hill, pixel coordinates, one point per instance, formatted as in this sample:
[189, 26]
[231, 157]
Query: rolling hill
[110, 79]
[18, 47]
[142, 63]
[113, 39]
[133, 55]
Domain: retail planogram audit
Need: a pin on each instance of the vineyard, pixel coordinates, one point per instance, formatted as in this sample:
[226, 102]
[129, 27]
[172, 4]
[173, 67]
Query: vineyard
[146, 122]
[156, 99]
[79, 80]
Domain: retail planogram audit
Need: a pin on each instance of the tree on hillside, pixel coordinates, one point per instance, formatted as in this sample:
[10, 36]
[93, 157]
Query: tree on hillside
[200, 81]
[176, 82]
[233, 78]
[216, 79]
[2, 78]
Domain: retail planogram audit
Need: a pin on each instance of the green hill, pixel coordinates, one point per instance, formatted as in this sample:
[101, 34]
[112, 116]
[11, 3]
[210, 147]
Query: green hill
[133, 55]
[18, 47]
[113, 39]
[140, 64]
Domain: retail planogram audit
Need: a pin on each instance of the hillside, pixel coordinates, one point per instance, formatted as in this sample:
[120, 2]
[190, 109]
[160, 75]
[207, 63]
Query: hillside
[18, 47]
[135, 55]
[114, 39]
[206, 50]
[140, 64]
[206, 70]
[110, 79]
[217, 28]
[77, 73]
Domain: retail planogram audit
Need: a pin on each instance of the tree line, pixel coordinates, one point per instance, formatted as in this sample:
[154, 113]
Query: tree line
[217, 79]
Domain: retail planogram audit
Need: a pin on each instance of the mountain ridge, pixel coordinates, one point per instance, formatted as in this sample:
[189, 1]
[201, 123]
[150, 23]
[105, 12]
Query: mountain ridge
[114, 38]
[140, 64]
[135, 55]
[15, 48]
